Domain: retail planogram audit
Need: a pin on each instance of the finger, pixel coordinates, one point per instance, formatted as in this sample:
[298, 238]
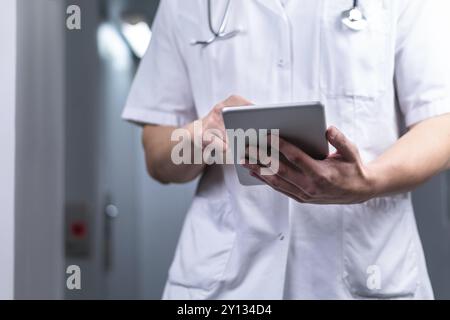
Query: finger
[277, 167]
[252, 167]
[293, 154]
[232, 101]
[285, 193]
[212, 134]
[283, 187]
[222, 140]
[216, 121]
[211, 125]
[251, 153]
[215, 151]
[285, 184]
[344, 146]
[236, 101]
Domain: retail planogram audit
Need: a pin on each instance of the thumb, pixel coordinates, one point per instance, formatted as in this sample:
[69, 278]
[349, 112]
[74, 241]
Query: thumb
[344, 146]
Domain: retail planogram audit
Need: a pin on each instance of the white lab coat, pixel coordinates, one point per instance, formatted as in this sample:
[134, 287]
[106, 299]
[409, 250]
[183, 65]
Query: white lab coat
[251, 242]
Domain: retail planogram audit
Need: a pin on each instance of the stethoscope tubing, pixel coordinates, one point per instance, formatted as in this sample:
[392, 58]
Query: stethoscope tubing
[221, 34]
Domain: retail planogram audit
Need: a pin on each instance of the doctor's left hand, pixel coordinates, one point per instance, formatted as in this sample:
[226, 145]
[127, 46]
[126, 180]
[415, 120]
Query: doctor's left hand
[341, 178]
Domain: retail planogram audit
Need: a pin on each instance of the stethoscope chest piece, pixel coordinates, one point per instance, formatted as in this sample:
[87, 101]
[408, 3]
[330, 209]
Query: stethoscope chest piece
[354, 19]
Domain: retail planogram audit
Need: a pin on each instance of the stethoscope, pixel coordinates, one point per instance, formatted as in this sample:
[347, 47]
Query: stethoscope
[352, 18]
[221, 34]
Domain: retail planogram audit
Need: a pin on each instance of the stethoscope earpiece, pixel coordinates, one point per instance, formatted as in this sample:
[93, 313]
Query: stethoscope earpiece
[354, 19]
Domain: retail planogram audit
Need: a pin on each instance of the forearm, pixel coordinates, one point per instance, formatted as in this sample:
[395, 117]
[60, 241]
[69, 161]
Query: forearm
[423, 152]
[158, 150]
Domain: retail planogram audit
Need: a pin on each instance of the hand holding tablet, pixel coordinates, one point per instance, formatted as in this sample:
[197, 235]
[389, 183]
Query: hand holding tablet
[302, 124]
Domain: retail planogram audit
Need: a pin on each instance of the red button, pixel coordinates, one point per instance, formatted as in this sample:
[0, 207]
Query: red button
[78, 229]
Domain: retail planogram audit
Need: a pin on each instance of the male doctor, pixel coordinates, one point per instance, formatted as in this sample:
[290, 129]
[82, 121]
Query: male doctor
[341, 228]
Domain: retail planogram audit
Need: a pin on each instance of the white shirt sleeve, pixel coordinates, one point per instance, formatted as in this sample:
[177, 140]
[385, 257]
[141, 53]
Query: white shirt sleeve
[161, 92]
[423, 59]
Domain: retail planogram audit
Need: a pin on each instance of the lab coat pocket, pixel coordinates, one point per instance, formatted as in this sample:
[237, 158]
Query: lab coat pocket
[353, 62]
[379, 251]
[204, 247]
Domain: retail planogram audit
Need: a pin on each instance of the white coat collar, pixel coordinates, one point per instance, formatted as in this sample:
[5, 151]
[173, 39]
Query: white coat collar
[272, 5]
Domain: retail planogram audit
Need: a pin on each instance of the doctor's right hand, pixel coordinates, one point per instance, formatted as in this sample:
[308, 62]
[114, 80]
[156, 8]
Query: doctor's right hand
[210, 130]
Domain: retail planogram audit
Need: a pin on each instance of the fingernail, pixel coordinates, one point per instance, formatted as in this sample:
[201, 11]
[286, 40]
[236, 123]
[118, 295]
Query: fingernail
[332, 133]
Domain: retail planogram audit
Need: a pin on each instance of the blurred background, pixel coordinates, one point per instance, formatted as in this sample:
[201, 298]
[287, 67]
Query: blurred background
[131, 223]
[82, 193]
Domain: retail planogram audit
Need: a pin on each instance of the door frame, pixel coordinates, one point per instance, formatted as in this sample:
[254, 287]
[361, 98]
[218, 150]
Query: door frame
[39, 250]
[7, 140]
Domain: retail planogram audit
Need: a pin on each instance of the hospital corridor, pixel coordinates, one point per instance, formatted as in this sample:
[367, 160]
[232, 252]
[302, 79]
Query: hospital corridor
[88, 209]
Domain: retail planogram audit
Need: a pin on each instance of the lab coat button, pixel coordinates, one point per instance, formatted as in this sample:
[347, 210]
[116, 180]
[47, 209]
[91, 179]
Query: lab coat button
[281, 63]
[281, 237]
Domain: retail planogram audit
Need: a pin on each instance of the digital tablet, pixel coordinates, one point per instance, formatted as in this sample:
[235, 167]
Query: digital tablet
[302, 124]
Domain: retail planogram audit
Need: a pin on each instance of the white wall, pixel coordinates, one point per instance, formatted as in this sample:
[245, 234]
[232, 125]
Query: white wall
[7, 142]
[39, 206]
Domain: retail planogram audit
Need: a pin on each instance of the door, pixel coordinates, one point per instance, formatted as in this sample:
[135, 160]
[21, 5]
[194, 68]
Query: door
[121, 227]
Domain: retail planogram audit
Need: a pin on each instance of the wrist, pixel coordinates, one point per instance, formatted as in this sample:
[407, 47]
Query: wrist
[195, 132]
[190, 128]
[374, 181]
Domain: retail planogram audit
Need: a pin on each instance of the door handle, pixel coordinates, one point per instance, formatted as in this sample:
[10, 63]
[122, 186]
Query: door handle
[111, 212]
